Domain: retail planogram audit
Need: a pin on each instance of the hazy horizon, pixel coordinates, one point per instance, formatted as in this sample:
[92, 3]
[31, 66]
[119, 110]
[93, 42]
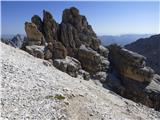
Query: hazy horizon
[106, 18]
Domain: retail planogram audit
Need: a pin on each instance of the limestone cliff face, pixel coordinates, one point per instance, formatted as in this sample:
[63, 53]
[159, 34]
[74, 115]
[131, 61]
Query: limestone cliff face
[73, 47]
[32, 89]
[129, 64]
[135, 80]
[67, 39]
[35, 37]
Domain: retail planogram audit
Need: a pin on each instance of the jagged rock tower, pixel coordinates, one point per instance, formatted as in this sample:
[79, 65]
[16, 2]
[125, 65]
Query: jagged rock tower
[68, 45]
[73, 47]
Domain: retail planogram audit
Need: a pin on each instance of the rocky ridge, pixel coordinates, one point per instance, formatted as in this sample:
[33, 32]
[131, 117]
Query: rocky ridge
[73, 47]
[73, 37]
[32, 88]
[16, 41]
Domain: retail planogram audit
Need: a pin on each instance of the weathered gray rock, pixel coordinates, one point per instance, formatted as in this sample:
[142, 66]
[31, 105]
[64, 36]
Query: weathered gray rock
[132, 78]
[50, 27]
[59, 51]
[103, 51]
[102, 76]
[68, 65]
[35, 50]
[145, 93]
[72, 16]
[38, 22]
[47, 54]
[35, 37]
[91, 61]
[66, 38]
[70, 39]
[129, 64]
[71, 19]
[32, 89]
[85, 75]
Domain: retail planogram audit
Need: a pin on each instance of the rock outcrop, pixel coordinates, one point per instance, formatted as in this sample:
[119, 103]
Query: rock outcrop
[59, 51]
[32, 89]
[35, 50]
[150, 48]
[73, 47]
[35, 37]
[91, 60]
[38, 22]
[73, 37]
[50, 27]
[129, 64]
[68, 65]
[78, 31]
[132, 78]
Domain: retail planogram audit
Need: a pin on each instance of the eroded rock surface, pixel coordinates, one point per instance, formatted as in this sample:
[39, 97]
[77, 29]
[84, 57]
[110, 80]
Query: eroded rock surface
[91, 60]
[33, 89]
[50, 27]
[135, 80]
[35, 37]
[129, 64]
[36, 51]
[68, 65]
[73, 47]
[68, 39]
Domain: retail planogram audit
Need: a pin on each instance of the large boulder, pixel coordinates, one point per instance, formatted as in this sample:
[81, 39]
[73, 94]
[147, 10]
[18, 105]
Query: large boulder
[34, 36]
[36, 51]
[69, 65]
[91, 61]
[129, 64]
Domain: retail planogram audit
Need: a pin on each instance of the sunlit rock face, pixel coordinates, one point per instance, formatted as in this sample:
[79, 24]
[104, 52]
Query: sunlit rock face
[67, 39]
[35, 37]
[73, 47]
[131, 78]
[129, 64]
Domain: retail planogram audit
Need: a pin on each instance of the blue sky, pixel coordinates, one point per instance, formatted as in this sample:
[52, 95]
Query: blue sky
[106, 18]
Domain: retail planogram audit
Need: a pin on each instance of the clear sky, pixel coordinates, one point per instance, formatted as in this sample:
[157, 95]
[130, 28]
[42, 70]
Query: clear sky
[106, 18]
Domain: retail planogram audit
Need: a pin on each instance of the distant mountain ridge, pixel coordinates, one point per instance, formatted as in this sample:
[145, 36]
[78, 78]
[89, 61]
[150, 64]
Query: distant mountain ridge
[13, 40]
[10, 36]
[121, 39]
[150, 48]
